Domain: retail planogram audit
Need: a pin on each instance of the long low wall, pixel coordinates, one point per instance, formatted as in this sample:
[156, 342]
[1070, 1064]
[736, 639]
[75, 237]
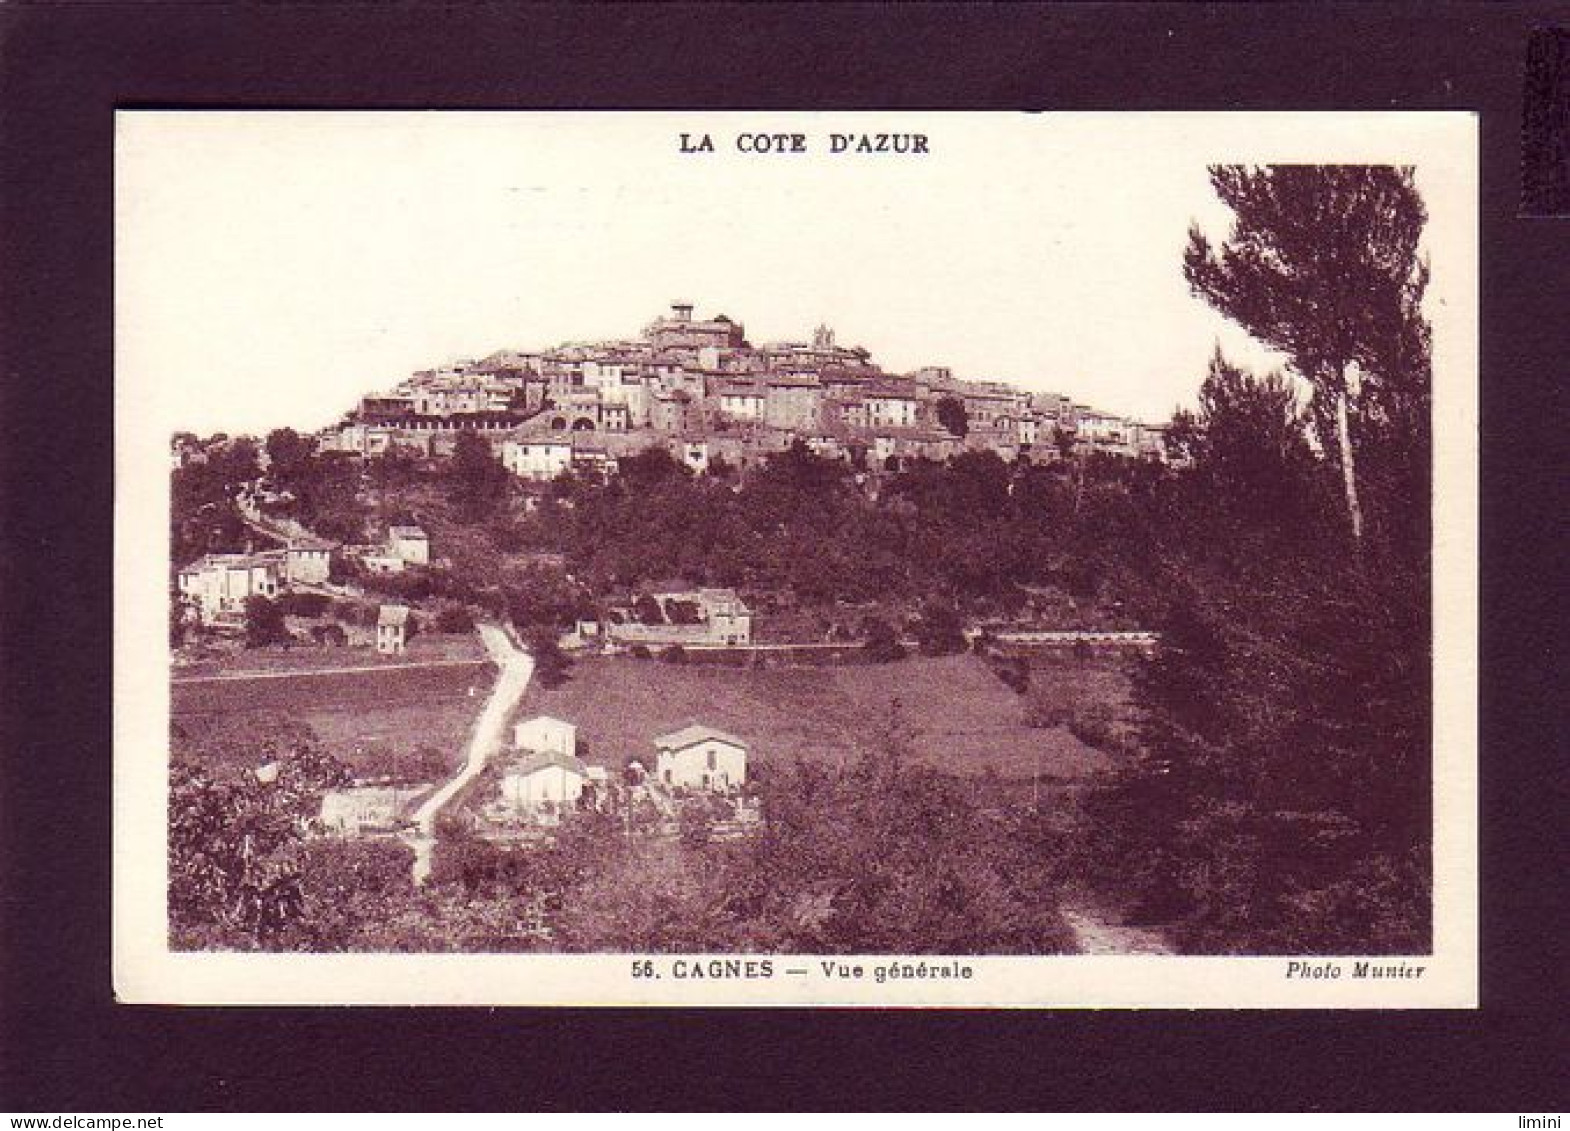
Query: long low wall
[1069, 639]
[687, 635]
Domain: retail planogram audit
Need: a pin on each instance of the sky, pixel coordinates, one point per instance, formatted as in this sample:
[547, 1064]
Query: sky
[271, 267]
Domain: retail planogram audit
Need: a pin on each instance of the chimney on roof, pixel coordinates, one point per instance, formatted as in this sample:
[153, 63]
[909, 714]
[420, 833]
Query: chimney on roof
[681, 311]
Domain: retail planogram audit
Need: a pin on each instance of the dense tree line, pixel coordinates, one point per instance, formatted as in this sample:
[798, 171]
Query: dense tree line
[974, 529]
[1280, 797]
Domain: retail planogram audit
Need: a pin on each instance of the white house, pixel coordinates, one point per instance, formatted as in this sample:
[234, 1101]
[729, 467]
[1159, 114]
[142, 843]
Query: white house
[309, 560]
[700, 757]
[545, 735]
[392, 628]
[540, 459]
[409, 543]
[540, 778]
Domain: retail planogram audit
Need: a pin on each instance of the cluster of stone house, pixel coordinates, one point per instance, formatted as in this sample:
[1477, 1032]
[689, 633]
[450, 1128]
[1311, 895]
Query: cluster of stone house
[699, 389]
[541, 777]
[216, 586]
[542, 774]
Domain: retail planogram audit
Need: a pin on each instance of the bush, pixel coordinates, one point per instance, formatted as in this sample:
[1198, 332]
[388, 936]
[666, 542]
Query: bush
[453, 618]
[264, 623]
[639, 652]
[883, 645]
[940, 632]
[675, 654]
[1092, 725]
[311, 605]
[329, 635]
[1015, 674]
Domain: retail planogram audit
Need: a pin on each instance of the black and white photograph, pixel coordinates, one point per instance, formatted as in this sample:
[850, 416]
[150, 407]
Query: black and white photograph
[939, 559]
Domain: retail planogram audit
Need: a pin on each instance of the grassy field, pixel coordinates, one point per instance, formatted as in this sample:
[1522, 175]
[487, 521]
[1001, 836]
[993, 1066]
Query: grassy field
[962, 718]
[400, 708]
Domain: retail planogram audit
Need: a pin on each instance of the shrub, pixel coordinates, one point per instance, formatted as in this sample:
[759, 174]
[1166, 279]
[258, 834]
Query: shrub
[675, 654]
[329, 635]
[639, 652]
[264, 623]
[1092, 725]
[883, 645]
[452, 618]
[940, 632]
[311, 605]
[1015, 674]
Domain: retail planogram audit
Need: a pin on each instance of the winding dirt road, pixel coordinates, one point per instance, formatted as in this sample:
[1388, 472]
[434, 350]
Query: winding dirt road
[516, 669]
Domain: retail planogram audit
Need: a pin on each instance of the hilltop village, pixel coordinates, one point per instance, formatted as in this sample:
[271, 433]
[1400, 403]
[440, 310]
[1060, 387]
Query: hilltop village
[701, 390]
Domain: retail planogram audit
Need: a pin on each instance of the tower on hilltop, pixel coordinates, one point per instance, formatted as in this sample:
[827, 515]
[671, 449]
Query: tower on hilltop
[823, 338]
[681, 311]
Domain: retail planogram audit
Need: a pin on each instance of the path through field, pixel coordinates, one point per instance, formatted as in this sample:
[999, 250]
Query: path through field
[516, 669]
[1096, 935]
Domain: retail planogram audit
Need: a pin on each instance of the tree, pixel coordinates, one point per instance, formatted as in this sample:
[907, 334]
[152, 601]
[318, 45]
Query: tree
[478, 478]
[940, 632]
[884, 856]
[1248, 445]
[264, 623]
[235, 839]
[179, 613]
[1321, 263]
[953, 417]
[649, 468]
[882, 643]
[290, 459]
[452, 617]
[552, 666]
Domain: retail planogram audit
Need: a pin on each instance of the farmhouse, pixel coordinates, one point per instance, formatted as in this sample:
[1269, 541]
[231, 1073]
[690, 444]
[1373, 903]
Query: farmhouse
[700, 757]
[409, 544]
[538, 779]
[392, 626]
[545, 735]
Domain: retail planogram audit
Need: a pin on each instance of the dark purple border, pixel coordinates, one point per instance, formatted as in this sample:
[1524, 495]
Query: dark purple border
[64, 1046]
